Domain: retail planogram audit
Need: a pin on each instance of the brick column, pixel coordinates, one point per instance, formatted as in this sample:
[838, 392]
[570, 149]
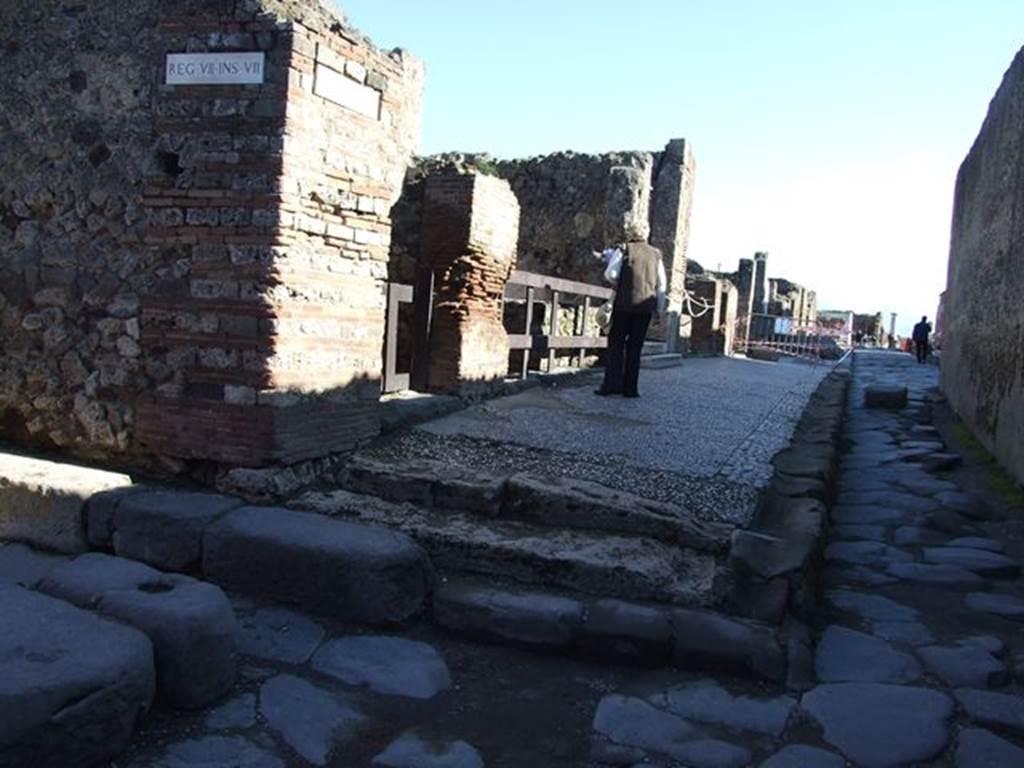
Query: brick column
[760, 290]
[470, 234]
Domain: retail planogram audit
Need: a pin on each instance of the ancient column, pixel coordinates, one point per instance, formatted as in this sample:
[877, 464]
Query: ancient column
[760, 289]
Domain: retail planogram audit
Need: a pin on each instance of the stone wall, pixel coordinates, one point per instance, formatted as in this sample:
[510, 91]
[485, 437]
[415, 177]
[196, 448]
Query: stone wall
[195, 271]
[983, 314]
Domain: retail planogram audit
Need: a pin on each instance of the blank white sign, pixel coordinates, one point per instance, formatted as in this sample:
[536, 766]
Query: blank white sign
[335, 87]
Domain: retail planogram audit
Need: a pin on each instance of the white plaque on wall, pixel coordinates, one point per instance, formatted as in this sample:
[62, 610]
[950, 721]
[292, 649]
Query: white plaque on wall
[342, 90]
[215, 68]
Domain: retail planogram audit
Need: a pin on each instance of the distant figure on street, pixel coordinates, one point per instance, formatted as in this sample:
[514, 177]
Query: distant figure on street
[636, 270]
[920, 337]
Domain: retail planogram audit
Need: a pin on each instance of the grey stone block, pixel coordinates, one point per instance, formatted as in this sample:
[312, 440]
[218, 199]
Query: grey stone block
[73, 684]
[311, 720]
[279, 634]
[890, 397]
[389, 665]
[706, 701]
[1007, 606]
[618, 630]
[845, 655]
[979, 748]
[410, 751]
[529, 619]
[976, 560]
[998, 710]
[238, 713]
[711, 641]
[351, 571]
[874, 724]
[190, 623]
[165, 528]
[631, 722]
[965, 666]
[212, 752]
[100, 509]
[803, 756]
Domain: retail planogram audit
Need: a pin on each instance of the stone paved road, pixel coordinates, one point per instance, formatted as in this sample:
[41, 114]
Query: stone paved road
[920, 659]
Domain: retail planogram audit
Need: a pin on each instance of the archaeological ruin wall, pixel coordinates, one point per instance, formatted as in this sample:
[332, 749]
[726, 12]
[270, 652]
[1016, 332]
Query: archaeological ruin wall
[194, 227]
[982, 366]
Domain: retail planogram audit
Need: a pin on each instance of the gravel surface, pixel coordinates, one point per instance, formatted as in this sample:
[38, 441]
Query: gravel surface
[701, 435]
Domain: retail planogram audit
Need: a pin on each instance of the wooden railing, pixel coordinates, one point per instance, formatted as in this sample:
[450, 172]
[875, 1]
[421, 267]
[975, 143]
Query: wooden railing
[555, 292]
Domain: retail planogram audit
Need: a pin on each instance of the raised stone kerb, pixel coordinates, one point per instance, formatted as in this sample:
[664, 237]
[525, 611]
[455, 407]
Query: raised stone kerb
[165, 528]
[350, 571]
[529, 619]
[42, 502]
[708, 640]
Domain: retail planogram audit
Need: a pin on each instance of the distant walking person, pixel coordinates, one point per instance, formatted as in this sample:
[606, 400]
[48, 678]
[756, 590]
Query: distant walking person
[638, 273]
[920, 337]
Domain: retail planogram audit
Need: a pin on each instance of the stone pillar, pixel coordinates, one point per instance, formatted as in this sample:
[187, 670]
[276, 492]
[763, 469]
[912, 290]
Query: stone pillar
[727, 316]
[744, 298]
[760, 289]
[470, 233]
[671, 205]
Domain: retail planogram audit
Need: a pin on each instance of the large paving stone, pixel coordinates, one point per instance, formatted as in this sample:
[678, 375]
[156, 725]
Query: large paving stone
[635, 723]
[190, 623]
[411, 751]
[21, 565]
[1007, 606]
[909, 632]
[42, 502]
[865, 553]
[858, 533]
[845, 655]
[877, 725]
[999, 710]
[803, 756]
[351, 571]
[311, 720]
[979, 561]
[979, 748]
[968, 666]
[882, 396]
[866, 514]
[279, 635]
[977, 542]
[712, 753]
[938, 575]
[905, 502]
[73, 685]
[873, 607]
[212, 752]
[532, 620]
[165, 528]
[909, 535]
[706, 640]
[389, 665]
[707, 702]
[100, 510]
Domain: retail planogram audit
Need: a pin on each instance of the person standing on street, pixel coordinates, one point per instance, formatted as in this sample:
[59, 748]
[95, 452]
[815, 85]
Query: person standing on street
[638, 273]
[920, 337]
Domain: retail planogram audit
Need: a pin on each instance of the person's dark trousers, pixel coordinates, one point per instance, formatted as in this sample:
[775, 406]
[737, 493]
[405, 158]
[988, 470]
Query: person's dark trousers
[625, 343]
[921, 348]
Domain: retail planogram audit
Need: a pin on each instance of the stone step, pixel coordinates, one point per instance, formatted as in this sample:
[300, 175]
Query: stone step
[629, 567]
[654, 348]
[666, 360]
[546, 501]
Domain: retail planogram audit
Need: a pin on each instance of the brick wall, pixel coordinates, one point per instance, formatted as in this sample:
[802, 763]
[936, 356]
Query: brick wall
[470, 230]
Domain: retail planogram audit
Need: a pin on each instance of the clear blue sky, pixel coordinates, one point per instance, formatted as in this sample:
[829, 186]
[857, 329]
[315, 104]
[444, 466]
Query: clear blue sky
[826, 133]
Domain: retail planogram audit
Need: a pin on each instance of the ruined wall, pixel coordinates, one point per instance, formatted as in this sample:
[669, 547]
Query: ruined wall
[983, 316]
[195, 271]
